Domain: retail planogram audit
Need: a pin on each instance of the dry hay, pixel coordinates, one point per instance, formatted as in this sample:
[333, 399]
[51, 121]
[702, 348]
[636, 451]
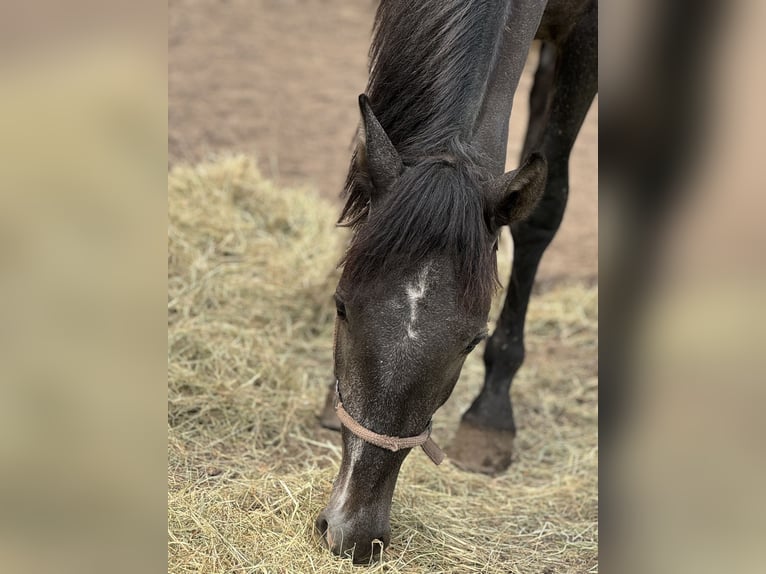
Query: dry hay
[252, 270]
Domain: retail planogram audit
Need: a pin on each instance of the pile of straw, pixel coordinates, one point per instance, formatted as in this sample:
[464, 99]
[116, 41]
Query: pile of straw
[251, 274]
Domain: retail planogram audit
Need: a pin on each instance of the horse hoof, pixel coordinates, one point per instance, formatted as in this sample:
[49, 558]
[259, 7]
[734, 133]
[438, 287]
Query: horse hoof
[481, 449]
[327, 418]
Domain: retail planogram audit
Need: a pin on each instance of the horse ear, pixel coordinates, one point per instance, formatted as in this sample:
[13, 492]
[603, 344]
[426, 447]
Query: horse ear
[376, 155]
[515, 194]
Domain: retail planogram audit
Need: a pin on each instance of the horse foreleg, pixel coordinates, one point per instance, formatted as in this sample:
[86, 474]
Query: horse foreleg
[484, 440]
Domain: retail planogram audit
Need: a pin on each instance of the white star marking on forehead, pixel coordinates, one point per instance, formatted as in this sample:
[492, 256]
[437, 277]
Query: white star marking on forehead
[415, 292]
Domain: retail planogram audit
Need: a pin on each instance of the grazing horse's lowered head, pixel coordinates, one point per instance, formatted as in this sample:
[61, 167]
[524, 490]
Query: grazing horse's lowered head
[412, 302]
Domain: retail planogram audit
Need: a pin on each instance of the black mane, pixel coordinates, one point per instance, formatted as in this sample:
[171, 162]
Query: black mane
[430, 61]
[429, 66]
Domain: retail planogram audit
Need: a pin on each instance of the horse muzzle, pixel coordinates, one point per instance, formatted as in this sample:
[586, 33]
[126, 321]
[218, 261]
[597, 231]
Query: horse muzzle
[353, 539]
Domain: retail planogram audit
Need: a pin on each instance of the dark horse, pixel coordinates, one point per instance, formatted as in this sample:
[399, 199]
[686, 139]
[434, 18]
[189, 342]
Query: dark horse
[426, 198]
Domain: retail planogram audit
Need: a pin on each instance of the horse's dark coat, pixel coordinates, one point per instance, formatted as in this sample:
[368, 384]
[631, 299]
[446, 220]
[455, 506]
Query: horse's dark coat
[425, 195]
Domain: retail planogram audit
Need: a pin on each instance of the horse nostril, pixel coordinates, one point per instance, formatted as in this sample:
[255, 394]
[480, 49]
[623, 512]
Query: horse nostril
[321, 526]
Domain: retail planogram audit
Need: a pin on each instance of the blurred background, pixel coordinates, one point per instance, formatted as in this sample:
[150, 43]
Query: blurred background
[682, 285]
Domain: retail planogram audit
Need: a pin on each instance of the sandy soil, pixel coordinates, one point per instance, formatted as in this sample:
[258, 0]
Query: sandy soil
[279, 79]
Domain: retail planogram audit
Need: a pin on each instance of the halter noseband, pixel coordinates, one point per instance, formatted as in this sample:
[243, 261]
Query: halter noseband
[392, 443]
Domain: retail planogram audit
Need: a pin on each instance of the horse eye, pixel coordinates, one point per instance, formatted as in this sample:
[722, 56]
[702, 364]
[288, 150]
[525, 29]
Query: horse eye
[340, 308]
[476, 341]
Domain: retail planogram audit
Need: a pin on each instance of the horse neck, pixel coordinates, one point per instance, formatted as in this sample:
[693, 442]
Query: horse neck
[490, 129]
[444, 71]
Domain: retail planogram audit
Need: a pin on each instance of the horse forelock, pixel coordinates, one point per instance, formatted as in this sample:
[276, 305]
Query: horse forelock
[436, 209]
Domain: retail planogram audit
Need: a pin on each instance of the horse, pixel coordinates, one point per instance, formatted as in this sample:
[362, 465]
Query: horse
[426, 197]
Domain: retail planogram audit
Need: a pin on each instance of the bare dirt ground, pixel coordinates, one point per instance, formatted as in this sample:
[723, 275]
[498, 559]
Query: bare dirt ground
[279, 79]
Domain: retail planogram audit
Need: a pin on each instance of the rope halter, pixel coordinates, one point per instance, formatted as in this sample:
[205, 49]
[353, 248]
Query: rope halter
[392, 443]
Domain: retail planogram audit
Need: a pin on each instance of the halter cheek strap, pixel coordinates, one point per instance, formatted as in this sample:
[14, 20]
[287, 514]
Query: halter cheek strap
[391, 443]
